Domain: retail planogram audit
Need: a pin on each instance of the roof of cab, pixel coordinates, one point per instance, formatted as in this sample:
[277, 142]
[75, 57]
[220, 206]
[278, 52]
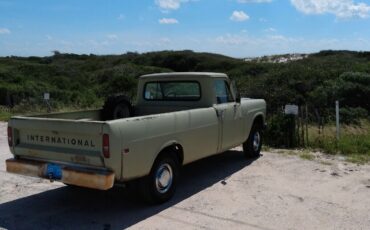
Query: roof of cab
[184, 74]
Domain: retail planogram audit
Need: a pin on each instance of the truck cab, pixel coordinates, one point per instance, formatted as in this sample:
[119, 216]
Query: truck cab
[161, 93]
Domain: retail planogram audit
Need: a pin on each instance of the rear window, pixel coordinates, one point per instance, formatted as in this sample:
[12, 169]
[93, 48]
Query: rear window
[172, 91]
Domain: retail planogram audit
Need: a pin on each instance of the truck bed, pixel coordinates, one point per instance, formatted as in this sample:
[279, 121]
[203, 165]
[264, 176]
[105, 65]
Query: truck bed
[83, 115]
[65, 146]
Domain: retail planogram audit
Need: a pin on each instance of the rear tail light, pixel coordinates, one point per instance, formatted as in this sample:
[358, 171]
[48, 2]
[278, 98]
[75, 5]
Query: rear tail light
[106, 151]
[10, 136]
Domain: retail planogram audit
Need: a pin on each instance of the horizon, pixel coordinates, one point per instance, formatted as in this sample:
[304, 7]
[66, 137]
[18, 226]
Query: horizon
[159, 51]
[234, 28]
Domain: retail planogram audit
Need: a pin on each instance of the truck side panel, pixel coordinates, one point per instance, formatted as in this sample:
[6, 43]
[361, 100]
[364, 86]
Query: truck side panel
[144, 137]
[251, 108]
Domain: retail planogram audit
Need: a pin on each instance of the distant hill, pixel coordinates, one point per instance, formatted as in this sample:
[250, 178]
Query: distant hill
[83, 81]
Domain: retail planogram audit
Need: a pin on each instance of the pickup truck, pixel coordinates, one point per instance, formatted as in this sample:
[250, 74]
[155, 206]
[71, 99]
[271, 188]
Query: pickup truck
[178, 118]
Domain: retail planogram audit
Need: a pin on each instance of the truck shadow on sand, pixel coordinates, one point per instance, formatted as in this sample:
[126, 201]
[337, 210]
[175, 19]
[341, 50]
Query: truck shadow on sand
[68, 208]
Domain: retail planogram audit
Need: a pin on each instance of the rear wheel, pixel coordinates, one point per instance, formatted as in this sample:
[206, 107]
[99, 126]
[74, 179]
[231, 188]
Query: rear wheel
[160, 185]
[252, 147]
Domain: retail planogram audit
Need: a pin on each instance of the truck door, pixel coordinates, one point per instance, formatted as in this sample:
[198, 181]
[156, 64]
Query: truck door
[229, 115]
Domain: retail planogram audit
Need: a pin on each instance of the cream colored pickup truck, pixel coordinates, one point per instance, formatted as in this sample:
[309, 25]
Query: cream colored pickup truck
[178, 118]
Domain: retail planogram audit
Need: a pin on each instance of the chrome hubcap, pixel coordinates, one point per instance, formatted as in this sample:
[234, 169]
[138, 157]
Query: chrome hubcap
[256, 141]
[163, 178]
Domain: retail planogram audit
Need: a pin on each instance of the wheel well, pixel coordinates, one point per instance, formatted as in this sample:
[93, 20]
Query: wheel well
[259, 121]
[173, 149]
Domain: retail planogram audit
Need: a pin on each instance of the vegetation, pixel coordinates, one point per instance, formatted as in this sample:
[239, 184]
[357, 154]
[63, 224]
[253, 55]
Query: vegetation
[354, 142]
[307, 156]
[84, 81]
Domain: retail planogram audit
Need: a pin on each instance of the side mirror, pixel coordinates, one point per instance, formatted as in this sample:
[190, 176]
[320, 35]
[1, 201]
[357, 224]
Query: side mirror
[236, 92]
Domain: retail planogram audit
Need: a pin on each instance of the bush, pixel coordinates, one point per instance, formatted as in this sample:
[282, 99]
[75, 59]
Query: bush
[280, 131]
[352, 115]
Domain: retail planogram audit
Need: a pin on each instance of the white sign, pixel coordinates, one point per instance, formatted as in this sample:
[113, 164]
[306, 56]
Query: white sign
[291, 109]
[46, 96]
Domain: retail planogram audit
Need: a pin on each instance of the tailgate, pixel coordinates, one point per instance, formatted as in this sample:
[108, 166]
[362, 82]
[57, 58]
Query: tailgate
[55, 140]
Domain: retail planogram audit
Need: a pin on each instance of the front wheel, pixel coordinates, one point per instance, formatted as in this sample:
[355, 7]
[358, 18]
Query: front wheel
[252, 147]
[160, 185]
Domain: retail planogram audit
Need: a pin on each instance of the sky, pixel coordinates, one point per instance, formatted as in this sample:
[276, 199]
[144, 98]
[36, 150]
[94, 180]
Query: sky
[237, 28]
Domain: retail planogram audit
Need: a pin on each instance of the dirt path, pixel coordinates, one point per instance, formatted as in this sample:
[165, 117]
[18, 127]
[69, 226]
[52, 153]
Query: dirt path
[275, 191]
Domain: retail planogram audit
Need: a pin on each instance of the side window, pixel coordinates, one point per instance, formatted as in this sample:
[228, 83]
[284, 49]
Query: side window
[222, 90]
[153, 91]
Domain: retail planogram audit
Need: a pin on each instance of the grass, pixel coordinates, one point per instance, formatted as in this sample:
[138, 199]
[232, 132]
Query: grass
[354, 142]
[304, 154]
[5, 113]
[5, 116]
[284, 152]
[265, 148]
[358, 158]
[307, 156]
[325, 162]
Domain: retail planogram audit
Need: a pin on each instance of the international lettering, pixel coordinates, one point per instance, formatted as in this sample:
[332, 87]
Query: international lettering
[60, 140]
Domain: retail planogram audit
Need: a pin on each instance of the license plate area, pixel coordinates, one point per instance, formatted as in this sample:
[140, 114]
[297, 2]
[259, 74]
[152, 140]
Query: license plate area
[53, 172]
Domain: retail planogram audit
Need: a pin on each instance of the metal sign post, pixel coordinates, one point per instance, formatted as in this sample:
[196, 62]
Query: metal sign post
[291, 110]
[337, 118]
[46, 99]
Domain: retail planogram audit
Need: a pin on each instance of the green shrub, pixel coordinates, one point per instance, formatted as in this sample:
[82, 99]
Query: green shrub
[352, 115]
[280, 131]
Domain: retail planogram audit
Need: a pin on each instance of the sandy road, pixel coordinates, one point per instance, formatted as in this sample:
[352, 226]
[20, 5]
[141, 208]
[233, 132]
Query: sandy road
[222, 192]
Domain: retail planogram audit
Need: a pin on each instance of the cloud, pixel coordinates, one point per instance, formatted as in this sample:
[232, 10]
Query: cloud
[164, 41]
[270, 30]
[112, 36]
[121, 17]
[170, 4]
[4, 31]
[253, 1]
[239, 16]
[340, 8]
[232, 39]
[262, 19]
[49, 37]
[242, 40]
[168, 21]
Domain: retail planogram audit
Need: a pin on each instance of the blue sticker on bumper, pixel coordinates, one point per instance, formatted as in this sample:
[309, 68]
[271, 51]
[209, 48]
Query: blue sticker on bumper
[53, 172]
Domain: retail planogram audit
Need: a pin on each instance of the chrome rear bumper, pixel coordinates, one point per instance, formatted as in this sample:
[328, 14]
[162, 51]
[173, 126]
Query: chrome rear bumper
[102, 180]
